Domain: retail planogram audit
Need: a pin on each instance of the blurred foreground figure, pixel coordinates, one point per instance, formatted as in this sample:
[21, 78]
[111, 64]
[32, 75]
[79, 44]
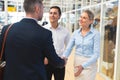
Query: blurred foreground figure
[27, 45]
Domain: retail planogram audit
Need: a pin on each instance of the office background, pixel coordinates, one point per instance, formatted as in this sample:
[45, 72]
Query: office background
[107, 21]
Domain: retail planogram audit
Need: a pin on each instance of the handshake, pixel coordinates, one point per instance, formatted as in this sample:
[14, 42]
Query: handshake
[64, 58]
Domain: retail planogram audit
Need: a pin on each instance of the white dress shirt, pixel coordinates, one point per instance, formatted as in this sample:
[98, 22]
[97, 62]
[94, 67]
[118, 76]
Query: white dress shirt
[60, 37]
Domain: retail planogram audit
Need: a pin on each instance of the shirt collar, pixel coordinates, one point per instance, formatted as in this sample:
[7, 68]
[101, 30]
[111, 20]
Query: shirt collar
[31, 18]
[91, 29]
[59, 27]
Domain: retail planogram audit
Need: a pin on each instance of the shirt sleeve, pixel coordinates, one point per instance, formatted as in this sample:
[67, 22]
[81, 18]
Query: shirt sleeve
[67, 38]
[69, 47]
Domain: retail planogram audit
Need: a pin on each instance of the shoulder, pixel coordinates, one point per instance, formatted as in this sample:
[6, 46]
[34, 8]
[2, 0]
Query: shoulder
[44, 33]
[95, 31]
[76, 31]
[45, 29]
[5, 27]
[47, 26]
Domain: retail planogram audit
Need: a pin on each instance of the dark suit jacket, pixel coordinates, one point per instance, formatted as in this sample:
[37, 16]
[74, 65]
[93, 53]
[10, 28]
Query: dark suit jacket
[26, 46]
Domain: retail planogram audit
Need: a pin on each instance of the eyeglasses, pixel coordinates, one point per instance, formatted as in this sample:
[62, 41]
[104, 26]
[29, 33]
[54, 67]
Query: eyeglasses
[84, 18]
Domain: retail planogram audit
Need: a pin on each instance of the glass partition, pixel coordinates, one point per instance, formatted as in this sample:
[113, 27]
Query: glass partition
[96, 10]
[110, 27]
[2, 19]
[107, 0]
[93, 2]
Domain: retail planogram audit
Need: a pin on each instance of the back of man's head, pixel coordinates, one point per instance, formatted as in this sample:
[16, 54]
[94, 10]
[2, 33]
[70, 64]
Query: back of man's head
[30, 4]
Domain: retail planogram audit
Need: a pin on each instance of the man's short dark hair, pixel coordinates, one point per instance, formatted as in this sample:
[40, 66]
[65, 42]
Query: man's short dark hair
[57, 7]
[29, 5]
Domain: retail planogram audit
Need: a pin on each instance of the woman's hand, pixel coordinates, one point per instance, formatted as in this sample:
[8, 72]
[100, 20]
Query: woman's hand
[78, 70]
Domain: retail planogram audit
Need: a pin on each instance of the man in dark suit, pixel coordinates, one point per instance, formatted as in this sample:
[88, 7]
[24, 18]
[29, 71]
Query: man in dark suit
[26, 46]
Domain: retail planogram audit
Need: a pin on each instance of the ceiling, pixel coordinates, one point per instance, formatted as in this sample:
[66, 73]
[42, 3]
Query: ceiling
[61, 3]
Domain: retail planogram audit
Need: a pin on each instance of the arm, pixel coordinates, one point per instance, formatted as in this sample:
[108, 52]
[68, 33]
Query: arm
[67, 38]
[51, 54]
[69, 47]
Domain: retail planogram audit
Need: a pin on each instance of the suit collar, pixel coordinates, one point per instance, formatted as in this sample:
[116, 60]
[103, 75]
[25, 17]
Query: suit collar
[29, 20]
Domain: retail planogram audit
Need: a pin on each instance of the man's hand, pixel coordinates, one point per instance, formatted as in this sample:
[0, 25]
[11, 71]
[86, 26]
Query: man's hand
[65, 59]
[45, 61]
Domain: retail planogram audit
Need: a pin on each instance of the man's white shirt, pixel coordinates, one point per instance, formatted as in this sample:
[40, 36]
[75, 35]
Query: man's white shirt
[61, 37]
